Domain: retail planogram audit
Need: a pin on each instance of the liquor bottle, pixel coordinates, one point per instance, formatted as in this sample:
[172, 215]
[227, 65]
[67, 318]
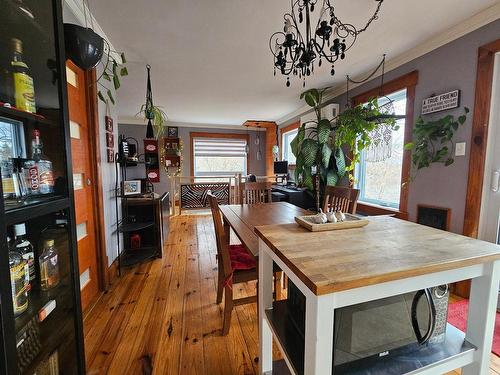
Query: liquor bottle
[19, 280]
[25, 249]
[38, 170]
[7, 172]
[24, 91]
[49, 266]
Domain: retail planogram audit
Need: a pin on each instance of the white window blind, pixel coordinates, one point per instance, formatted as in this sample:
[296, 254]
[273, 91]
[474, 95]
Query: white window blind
[219, 156]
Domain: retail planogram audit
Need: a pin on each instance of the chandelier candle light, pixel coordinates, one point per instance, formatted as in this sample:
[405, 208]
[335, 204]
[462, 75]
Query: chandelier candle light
[296, 52]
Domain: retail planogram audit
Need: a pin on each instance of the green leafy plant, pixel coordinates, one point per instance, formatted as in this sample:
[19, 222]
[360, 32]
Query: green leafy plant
[158, 118]
[320, 144]
[353, 127]
[112, 70]
[315, 148]
[433, 140]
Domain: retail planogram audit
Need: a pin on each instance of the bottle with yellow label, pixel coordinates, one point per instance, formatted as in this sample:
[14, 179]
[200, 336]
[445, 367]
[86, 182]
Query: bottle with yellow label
[24, 90]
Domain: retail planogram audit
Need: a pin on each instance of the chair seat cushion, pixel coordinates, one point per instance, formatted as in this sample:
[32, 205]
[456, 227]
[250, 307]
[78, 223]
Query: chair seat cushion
[240, 258]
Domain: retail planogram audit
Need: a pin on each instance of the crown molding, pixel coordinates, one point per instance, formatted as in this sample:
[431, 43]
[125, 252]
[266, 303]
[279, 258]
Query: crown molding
[139, 122]
[475, 22]
[77, 7]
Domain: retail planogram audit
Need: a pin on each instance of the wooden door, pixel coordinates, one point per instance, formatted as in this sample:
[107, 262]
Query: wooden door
[84, 183]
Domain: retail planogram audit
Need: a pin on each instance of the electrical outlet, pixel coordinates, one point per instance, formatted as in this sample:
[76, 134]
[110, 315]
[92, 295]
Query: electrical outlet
[460, 149]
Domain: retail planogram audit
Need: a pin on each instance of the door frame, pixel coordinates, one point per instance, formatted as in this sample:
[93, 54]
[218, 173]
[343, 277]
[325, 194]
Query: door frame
[479, 137]
[95, 152]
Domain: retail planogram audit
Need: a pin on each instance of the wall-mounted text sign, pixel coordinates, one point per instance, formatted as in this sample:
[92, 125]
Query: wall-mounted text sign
[441, 102]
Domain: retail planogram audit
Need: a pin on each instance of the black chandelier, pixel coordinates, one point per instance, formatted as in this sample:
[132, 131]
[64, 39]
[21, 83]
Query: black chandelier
[295, 54]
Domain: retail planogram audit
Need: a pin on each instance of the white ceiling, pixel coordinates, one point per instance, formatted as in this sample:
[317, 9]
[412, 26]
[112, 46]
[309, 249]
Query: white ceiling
[211, 62]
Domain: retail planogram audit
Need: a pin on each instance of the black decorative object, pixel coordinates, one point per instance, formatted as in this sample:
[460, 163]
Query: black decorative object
[83, 46]
[295, 52]
[149, 105]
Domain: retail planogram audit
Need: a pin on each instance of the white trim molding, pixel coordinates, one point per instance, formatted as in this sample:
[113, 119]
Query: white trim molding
[475, 22]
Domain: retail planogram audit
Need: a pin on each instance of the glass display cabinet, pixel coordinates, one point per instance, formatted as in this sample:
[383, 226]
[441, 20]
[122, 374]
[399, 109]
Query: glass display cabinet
[40, 313]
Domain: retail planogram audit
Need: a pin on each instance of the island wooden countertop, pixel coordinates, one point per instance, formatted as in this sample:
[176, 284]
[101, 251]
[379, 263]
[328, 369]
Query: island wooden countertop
[386, 249]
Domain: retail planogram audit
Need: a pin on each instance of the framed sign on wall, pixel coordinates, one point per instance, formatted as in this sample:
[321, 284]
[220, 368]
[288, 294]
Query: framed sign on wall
[441, 102]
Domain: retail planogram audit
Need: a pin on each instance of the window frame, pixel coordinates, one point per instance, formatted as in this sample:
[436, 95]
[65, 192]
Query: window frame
[17, 137]
[283, 131]
[409, 82]
[193, 135]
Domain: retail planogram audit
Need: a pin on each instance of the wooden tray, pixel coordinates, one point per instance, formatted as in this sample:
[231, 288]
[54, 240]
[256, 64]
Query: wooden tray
[351, 221]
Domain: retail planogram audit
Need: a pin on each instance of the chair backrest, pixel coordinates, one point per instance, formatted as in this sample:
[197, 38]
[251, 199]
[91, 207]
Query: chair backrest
[220, 235]
[339, 198]
[256, 192]
[251, 178]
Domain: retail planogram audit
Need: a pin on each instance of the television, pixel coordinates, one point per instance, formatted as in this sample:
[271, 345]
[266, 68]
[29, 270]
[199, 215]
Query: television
[280, 167]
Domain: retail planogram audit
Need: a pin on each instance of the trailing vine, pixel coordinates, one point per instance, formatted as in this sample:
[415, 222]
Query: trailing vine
[433, 140]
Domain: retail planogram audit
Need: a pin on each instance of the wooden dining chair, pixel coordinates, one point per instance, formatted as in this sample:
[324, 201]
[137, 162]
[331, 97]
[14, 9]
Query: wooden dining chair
[236, 265]
[339, 198]
[256, 192]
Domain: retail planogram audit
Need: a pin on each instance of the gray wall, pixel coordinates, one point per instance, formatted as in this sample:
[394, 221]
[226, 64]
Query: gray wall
[256, 167]
[450, 67]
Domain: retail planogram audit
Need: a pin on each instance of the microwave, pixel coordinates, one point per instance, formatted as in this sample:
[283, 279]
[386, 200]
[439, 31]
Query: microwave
[379, 327]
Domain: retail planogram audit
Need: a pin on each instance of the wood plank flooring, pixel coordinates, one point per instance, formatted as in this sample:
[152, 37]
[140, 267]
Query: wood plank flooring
[161, 317]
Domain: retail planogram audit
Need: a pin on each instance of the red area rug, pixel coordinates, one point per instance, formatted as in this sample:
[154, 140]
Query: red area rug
[457, 316]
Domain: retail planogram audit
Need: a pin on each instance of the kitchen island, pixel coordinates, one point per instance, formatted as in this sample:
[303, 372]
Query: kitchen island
[388, 257]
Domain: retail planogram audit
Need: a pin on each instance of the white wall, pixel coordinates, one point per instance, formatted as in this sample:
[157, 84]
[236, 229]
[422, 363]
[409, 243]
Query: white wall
[107, 170]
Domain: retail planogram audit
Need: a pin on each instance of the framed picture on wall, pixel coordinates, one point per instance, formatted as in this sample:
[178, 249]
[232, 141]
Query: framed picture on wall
[110, 140]
[173, 131]
[109, 124]
[111, 155]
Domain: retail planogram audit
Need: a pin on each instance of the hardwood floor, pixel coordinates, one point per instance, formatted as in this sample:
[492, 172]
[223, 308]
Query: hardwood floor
[161, 317]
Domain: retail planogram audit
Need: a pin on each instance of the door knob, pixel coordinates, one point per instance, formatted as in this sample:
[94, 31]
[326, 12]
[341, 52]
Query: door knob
[88, 182]
[495, 181]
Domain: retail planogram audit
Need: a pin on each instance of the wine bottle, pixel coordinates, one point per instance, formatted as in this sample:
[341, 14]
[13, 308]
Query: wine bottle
[24, 91]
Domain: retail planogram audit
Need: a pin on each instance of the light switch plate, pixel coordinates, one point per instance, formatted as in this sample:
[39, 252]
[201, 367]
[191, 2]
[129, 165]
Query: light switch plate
[460, 149]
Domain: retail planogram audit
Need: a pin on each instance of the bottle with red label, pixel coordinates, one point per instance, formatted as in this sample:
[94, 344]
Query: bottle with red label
[38, 170]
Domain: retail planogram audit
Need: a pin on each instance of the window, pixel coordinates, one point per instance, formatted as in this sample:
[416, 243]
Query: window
[286, 139]
[380, 181]
[11, 139]
[218, 155]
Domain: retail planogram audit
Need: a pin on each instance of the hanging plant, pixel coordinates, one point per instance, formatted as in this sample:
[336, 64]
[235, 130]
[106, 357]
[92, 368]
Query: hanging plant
[433, 140]
[158, 119]
[354, 126]
[87, 50]
[154, 115]
[112, 71]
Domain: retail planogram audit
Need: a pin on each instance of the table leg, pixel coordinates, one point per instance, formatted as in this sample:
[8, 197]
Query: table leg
[481, 319]
[265, 291]
[319, 335]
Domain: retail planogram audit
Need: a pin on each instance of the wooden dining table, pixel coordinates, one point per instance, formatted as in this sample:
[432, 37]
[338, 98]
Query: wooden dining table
[243, 218]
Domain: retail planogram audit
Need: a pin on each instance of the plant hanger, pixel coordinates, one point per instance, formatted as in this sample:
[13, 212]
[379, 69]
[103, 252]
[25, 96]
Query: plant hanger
[148, 110]
[154, 115]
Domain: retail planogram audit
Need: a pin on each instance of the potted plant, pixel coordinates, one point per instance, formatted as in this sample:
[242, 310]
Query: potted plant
[433, 141]
[319, 145]
[154, 115]
[87, 49]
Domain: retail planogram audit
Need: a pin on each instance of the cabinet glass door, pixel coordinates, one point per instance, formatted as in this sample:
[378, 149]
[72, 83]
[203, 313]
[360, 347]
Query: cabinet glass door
[31, 126]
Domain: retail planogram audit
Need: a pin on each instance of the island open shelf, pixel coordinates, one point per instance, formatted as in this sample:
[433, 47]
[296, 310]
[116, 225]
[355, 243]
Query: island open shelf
[402, 361]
